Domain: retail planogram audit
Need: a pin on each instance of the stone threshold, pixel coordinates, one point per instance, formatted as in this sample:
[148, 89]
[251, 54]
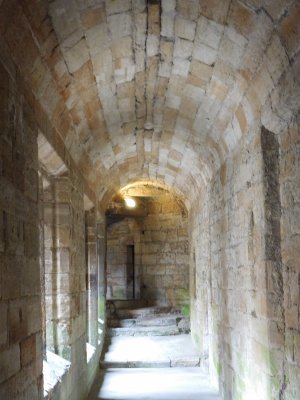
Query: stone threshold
[182, 362]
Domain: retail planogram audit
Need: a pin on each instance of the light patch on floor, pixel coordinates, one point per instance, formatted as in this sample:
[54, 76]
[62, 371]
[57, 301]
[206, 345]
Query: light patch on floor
[151, 348]
[156, 384]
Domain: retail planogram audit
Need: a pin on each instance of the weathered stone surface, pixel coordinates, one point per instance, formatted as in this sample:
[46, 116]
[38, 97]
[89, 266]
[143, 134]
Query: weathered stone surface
[10, 362]
[161, 253]
[174, 92]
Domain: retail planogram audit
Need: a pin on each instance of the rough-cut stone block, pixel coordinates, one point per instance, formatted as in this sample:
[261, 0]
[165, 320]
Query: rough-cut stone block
[120, 25]
[122, 48]
[3, 327]
[28, 350]
[117, 6]
[92, 17]
[181, 67]
[9, 362]
[184, 28]
[183, 48]
[205, 54]
[76, 56]
[167, 26]
[97, 39]
[289, 29]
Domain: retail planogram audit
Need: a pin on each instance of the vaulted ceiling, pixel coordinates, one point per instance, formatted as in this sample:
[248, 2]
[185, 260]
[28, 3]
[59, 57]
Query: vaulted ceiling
[156, 90]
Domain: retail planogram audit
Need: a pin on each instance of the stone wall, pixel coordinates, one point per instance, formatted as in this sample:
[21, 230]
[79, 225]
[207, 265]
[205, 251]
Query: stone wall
[71, 271]
[119, 236]
[164, 244]
[161, 253]
[65, 280]
[229, 314]
[200, 279]
[24, 279]
[65, 274]
[20, 297]
[244, 240]
[289, 179]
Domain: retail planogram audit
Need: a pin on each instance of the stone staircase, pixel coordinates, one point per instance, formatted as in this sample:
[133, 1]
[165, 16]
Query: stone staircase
[143, 336]
[135, 318]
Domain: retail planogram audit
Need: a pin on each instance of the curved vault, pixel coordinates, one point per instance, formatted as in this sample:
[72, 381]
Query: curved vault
[145, 189]
[155, 90]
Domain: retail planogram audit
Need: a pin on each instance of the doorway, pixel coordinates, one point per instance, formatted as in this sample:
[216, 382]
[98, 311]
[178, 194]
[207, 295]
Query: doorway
[130, 272]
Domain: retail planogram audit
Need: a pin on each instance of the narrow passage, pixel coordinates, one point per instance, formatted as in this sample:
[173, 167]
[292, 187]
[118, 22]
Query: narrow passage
[150, 357]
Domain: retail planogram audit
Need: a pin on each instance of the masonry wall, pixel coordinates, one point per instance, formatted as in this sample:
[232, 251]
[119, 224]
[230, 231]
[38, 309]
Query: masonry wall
[161, 253]
[65, 276]
[119, 236]
[164, 244]
[20, 296]
[200, 273]
[244, 240]
[230, 313]
[289, 179]
[22, 342]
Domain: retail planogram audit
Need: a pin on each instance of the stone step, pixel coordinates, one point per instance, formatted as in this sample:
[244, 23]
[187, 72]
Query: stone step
[144, 331]
[146, 312]
[186, 362]
[135, 364]
[161, 320]
[127, 304]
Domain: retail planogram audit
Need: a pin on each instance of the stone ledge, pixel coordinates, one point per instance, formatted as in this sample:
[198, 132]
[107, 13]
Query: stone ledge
[54, 368]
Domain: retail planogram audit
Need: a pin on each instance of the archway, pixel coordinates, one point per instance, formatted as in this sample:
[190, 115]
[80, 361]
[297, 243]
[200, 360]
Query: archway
[157, 228]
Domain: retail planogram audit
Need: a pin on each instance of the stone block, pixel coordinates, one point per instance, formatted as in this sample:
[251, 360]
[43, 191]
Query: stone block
[168, 6]
[28, 350]
[201, 70]
[59, 306]
[3, 327]
[184, 28]
[214, 10]
[31, 242]
[289, 29]
[117, 6]
[58, 283]
[97, 38]
[30, 277]
[152, 46]
[120, 25]
[167, 26]
[9, 362]
[208, 33]
[181, 67]
[183, 48]
[92, 17]
[205, 54]
[76, 56]
[11, 268]
[149, 259]
[242, 18]
[166, 258]
[156, 270]
[63, 236]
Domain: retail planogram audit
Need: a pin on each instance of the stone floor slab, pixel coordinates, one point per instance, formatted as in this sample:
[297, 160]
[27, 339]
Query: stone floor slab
[154, 384]
[151, 348]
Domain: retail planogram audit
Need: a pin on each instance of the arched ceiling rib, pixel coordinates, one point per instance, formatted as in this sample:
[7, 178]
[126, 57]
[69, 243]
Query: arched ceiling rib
[159, 90]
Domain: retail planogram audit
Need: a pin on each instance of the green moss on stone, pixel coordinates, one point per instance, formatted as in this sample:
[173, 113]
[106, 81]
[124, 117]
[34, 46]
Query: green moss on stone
[185, 310]
[101, 306]
[119, 294]
[182, 295]
[217, 365]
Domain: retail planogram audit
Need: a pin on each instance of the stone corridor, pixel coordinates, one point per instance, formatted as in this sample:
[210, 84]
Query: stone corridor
[159, 362]
[149, 151]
